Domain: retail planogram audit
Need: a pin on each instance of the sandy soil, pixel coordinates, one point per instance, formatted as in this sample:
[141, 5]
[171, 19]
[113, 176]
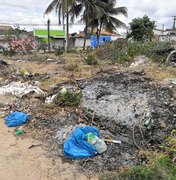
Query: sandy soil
[19, 162]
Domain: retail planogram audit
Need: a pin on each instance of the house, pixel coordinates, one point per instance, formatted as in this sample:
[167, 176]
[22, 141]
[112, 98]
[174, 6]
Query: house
[15, 39]
[77, 40]
[165, 35]
[57, 38]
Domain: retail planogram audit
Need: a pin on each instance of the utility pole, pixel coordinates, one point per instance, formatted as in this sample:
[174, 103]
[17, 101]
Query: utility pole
[67, 19]
[63, 23]
[48, 25]
[162, 29]
[174, 27]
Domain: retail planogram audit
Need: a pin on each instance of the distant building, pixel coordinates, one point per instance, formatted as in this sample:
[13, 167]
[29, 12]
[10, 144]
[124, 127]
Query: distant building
[77, 40]
[165, 35]
[10, 39]
[57, 38]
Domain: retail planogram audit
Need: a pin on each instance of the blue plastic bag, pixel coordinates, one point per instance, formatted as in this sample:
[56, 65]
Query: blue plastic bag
[77, 146]
[16, 119]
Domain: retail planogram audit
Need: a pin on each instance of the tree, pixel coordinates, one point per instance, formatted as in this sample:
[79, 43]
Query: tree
[141, 29]
[91, 10]
[62, 8]
[108, 20]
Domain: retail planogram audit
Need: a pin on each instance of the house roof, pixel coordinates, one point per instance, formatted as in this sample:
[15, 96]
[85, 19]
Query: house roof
[82, 35]
[43, 33]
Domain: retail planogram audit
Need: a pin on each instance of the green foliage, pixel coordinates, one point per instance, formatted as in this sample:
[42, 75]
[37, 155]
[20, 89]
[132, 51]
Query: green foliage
[68, 99]
[42, 46]
[7, 52]
[161, 168]
[58, 52]
[138, 172]
[141, 29]
[124, 51]
[91, 60]
[71, 50]
[170, 147]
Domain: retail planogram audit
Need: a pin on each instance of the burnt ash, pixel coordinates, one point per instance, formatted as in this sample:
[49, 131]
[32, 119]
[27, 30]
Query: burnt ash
[118, 105]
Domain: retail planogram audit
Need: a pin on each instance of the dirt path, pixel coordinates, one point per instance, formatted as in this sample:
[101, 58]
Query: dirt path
[19, 162]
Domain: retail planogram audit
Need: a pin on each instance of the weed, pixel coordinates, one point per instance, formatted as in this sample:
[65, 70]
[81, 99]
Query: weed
[71, 67]
[123, 51]
[7, 52]
[91, 60]
[160, 166]
[58, 52]
[170, 148]
[68, 99]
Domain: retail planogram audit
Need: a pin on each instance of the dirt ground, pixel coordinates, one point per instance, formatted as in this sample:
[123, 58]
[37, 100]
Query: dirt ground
[19, 162]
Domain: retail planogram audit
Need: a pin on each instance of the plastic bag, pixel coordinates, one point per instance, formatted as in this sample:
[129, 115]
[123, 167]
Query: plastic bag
[77, 146]
[16, 119]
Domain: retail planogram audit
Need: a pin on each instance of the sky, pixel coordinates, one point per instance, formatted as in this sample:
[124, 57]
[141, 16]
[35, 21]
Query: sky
[31, 12]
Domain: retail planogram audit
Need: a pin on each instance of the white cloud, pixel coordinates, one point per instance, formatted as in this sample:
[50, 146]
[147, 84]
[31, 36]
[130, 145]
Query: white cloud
[31, 12]
[159, 11]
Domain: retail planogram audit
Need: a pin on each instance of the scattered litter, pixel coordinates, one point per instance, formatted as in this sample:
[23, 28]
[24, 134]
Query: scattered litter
[169, 80]
[50, 99]
[139, 60]
[19, 89]
[16, 119]
[112, 141]
[51, 60]
[19, 132]
[98, 143]
[77, 145]
[63, 90]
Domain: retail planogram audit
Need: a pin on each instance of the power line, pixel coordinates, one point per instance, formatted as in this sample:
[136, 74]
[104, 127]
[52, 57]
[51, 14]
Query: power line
[30, 24]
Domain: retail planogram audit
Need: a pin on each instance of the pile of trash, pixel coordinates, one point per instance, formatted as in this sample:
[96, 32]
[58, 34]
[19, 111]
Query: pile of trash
[84, 142]
[19, 89]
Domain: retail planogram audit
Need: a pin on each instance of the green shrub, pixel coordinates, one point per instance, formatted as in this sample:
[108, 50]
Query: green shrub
[58, 52]
[170, 147]
[42, 46]
[161, 168]
[68, 99]
[123, 51]
[7, 52]
[91, 60]
[71, 50]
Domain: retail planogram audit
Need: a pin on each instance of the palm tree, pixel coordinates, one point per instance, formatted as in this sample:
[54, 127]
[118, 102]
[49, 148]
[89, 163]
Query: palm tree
[62, 7]
[108, 20]
[91, 9]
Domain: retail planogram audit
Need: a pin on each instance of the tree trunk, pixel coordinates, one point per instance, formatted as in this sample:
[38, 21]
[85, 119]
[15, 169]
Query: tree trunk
[99, 34]
[63, 23]
[67, 21]
[85, 38]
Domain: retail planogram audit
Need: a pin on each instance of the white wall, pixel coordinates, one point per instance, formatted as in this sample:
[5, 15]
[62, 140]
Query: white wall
[79, 42]
[168, 38]
[58, 43]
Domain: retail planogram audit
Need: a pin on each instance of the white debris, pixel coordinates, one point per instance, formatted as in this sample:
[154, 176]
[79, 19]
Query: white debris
[19, 89]
[170, 80]
[64, 132]
[50, 99]
[139, 60]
